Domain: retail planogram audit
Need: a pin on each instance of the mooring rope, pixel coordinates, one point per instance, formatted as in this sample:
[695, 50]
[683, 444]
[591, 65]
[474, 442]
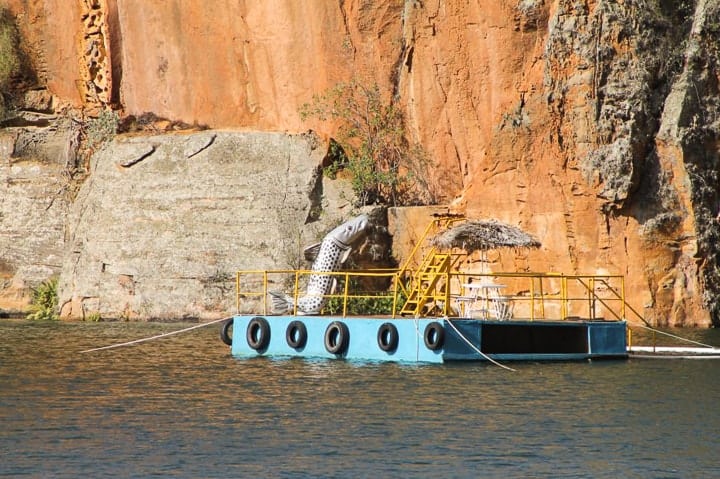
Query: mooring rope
[457, 331]
[158, 336]
[677, 337]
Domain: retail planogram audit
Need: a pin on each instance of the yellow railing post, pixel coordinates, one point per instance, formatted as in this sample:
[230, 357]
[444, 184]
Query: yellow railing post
[622, 297]
[345, 293]
[532, 298]
[396, 280]
[296, 292]
[563, 297]
[446, 300]
[265, 292]
[237, 292]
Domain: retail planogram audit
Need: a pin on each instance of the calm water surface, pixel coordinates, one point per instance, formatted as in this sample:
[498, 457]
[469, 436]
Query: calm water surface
[183, 407]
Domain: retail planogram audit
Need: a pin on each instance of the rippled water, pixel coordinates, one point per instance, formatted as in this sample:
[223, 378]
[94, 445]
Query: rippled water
[183, 407]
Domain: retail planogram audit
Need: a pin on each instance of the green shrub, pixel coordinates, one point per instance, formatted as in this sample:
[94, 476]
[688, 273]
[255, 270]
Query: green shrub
[102, 129]
[373, 305]
[44, 304]
[10, 63]
[363, 302]
[372, 145]
[9, 49]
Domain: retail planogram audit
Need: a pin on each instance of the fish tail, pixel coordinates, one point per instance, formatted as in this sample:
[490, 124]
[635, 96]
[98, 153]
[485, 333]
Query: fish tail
[281, 303]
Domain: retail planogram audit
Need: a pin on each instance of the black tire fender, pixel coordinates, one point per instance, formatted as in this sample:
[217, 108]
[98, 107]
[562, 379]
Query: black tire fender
[434, 336]
[225, 335]
[387, 337]
[337, 338]
[296, 335]
[258, 333]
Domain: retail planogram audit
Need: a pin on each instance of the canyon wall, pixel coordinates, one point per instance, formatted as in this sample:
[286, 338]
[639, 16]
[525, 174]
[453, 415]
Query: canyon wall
[591, 124]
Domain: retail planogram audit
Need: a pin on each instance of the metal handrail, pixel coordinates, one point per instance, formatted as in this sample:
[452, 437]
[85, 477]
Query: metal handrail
[538, 296]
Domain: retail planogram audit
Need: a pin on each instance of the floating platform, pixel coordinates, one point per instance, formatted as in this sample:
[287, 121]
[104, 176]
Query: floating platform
[424, 340]
[428, 310]
[673, 352]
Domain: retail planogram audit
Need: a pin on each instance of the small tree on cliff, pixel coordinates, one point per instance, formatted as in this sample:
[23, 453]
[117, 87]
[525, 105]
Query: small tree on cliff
[9, 55]
[372, 146]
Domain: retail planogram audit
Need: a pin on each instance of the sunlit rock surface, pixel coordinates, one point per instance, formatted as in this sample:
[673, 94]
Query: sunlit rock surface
[592, 125]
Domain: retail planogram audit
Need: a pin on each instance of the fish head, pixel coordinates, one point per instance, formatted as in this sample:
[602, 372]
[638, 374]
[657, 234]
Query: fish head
[348, 232]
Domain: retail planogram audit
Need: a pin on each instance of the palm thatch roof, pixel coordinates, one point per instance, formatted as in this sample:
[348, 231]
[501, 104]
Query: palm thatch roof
[484, 235]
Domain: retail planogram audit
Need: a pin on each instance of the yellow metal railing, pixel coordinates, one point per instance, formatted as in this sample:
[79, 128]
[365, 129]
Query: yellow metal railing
[555, 296]
[530, 296]
[253, 288]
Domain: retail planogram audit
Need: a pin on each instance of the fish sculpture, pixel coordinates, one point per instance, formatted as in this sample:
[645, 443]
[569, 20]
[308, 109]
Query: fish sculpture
[329, 254]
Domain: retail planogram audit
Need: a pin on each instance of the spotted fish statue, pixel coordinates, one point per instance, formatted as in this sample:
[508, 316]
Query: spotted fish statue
[328, 255]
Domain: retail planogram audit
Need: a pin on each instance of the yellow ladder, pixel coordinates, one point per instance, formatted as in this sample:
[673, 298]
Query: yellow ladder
[435, 266]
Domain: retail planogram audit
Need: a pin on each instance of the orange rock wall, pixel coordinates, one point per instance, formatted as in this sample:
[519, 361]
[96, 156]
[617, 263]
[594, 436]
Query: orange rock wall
[507, 96]
[50, 34]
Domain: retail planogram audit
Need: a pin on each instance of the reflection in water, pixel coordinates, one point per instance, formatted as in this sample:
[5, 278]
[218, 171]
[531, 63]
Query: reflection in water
[183, 407]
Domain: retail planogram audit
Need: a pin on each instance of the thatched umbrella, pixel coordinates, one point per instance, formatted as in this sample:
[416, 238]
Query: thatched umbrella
[484, 235]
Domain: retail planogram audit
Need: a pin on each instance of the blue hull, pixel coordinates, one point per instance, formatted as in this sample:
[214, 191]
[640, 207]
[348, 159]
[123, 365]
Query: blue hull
[427, 340]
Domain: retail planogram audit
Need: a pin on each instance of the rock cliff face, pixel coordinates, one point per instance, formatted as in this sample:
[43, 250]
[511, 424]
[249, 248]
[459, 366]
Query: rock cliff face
[163, 222]
[32, 218]
[592, 124]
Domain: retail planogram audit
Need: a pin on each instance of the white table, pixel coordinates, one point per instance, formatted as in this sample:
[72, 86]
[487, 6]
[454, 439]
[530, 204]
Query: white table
[485, 299]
